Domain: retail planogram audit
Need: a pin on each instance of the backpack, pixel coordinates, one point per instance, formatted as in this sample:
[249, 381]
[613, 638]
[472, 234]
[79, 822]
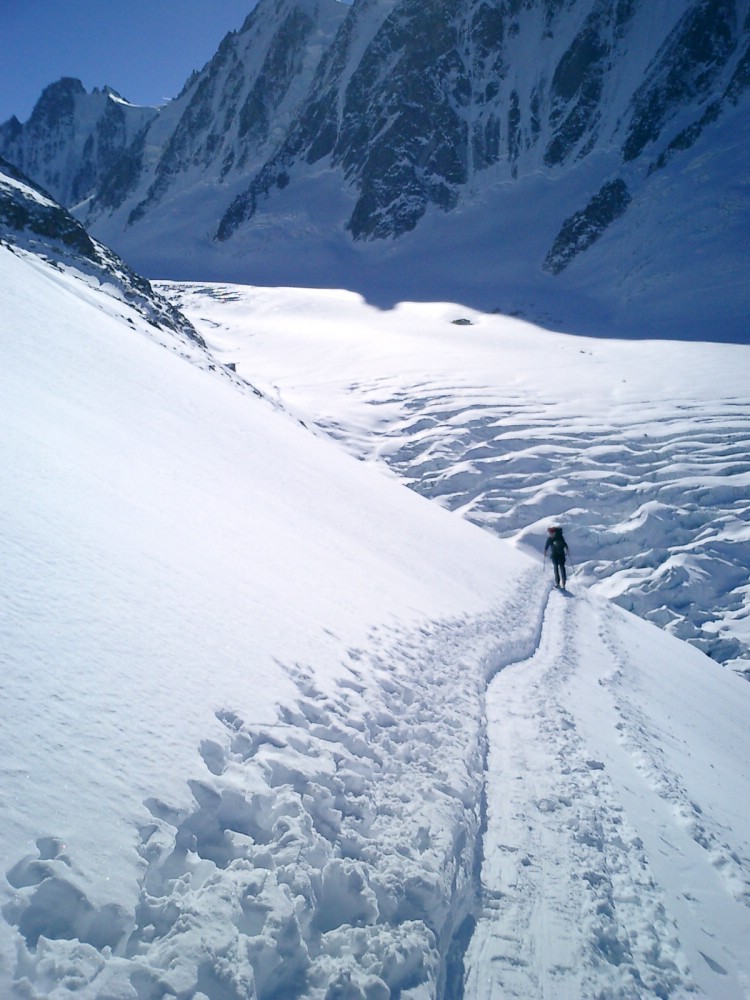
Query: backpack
[557, 546]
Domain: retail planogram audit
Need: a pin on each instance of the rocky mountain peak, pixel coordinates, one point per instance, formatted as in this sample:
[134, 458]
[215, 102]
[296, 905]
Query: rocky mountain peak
[72, 138]
[548, 134]
[57, 103]
[32, 222]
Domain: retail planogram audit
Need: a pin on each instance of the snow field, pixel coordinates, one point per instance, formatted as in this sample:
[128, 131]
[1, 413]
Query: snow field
[232, 657]
[639, 447]
[277, 728]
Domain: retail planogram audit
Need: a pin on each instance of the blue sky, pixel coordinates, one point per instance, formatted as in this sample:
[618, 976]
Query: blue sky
[145, 49]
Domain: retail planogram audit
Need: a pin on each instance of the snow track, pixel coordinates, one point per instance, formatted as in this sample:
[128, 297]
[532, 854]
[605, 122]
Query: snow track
[616, 882]
[504, 774]
[640, 448]
[333, 853]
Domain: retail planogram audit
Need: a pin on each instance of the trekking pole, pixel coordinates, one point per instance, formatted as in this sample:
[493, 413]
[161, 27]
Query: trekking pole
[573, 567]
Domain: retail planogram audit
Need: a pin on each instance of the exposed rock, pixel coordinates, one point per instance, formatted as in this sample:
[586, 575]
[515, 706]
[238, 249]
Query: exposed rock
[30, 219]
[585, 227]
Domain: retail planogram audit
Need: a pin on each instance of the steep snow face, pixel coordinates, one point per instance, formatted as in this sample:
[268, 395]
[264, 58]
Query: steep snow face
[582, 160]
[73, 138]
[217, 758]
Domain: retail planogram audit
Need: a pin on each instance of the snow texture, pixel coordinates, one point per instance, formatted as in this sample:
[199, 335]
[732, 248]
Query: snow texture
[277, 727]
[640, 448]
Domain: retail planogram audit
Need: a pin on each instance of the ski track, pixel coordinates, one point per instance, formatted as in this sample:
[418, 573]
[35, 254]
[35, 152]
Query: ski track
[642, 914]
[308, 865]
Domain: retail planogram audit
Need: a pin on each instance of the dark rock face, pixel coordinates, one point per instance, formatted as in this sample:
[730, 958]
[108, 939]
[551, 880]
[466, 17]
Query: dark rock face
[73, 138]
[585, 227]
[409, 121]
[406, 108]
[691, 62]
[32, 221]
[441, 93]
[576, 90]
[21, 213]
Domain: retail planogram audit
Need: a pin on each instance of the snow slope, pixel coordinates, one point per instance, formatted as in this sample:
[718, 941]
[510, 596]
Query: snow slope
[642, 448]
[177, 554]
[252, 690]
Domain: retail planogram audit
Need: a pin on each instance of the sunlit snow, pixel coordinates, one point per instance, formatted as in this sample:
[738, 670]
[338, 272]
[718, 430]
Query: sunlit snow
[640, 447]
[276, 726]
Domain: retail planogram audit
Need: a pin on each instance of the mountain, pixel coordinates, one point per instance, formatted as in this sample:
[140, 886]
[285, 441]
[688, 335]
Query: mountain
[578, 161]
[278, 728]
[32, 223]
[73, 138]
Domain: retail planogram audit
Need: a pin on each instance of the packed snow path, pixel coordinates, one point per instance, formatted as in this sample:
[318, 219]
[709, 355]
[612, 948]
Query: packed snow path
[329, 854]
[336, 852]
[641, 448]
[607, 873]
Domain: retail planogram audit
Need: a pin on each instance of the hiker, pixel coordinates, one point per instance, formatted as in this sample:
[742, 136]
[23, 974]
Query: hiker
[557, 547]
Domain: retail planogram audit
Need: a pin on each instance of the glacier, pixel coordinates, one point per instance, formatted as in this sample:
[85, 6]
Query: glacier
[277, 726]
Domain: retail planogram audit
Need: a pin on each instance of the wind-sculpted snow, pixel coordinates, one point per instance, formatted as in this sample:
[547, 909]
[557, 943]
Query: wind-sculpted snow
[656, 504]
[640, 449]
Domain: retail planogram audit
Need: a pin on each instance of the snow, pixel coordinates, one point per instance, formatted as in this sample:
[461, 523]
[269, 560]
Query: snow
[15, 184]
[599, 829]
[276, 726]
[651, 473]
[673, 266]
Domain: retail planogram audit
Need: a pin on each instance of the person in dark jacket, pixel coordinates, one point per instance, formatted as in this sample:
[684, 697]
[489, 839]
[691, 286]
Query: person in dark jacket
[557, 548]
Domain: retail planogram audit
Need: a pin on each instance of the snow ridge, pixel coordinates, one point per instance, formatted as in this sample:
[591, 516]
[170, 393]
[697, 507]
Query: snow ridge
[34, 225]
